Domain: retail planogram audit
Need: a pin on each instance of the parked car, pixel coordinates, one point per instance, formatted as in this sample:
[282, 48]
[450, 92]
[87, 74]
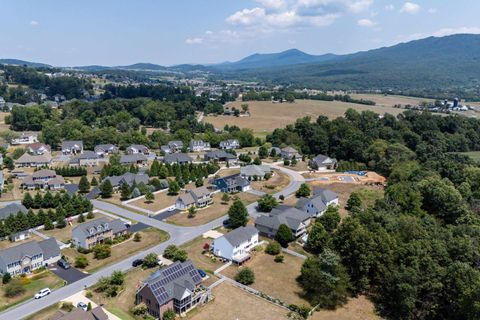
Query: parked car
[82, 305]
[226, 223]
[64, 264]
[171, 209]
[202, 273]
[42, 293]
[137, 262]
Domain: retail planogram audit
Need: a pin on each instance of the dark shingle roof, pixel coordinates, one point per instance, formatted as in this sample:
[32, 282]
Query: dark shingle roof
[240, 235]
[50, 248]
[177, 157]
[10, 209]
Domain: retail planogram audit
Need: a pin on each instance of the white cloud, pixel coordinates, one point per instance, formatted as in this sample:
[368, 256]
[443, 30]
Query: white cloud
[34, 23]
[194, 40]
[247, 16]
[359, 5]
[273, 4]
[410, 7]
[389, 7]
[366, 23]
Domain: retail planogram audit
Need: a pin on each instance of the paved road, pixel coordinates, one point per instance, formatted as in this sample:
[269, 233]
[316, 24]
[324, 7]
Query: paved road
[178, 236]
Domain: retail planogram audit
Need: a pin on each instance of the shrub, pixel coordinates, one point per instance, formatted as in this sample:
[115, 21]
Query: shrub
[89, 294]
[139, 309]
[24, 280]
[273, 248]
[101, 251]
[279, 258]
[245, 276]
[6, 278]
[81, 262]
[150, 260]
[303, 311]
[169, 315]
[14, 288]
[137, 237]
[67, 306]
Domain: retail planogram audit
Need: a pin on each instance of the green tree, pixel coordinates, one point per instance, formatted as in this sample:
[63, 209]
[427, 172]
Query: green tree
[266, 203]
[262, 152]
[149, 197]
[257, 161]
[225, 198]
[137, 237]
[94, 182]
[37, 201]
[324, 280]
[125, 191]
[27, 200]
[173, 188]
[48, 224]
[83, 185]
[303, 191]
[106, 189]
[169, 315]
[150, 260]
[284, 235]
[273, 248]
[318, 238]
[330, 219]
[354, 203]
[245, 276]
[237, 214]
[6, 278]
[192, 211]
[81, 261]
[61, 222]
[101, 251]
[81, 218]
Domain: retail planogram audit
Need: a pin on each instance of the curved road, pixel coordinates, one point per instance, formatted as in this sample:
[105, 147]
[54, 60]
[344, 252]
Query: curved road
[178, 236]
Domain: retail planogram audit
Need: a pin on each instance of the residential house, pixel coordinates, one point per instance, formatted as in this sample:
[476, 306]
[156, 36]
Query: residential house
[175, 287]
[128, 178]
[137, 148]
[12, 209]
[20, 236]
[322, 162]
[220, 156]
[289, 153]
[38, 149]
[180, 158]
[231, 184]
[278, 151]
[43, 179]
[229, 144]
[296, 220]
[96, 313]
[88, 234]
[172, 146]
[28, 160]
[318, 204]
[29, 256]
[105, 149]
[199, 146]
[136, 158]
[255, 172]
[236, 244]
[86, 159]
[198, 197]
[25, 138]
[72, 147]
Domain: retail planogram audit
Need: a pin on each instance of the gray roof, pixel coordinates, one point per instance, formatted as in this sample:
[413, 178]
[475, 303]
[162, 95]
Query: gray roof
[219, 154]
[28, 158]
[199, 192]
[139, 147]
[50, 248]
[177, 158]
[240, 235]
[116, 226]
[132, 158]
[172, 281]
[69, 144]
[186, 198]
[105, 147]
[10, 209]
[128, 178]
[290, 216]
[175, 144]
[71, 188]
[325, 194]
[96, 313]
[85, 155]
[254, 170]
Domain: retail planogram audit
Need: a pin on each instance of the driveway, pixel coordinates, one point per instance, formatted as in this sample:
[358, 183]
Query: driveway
[165, 214]
[80, 297]
[70, 275]
[137, 227]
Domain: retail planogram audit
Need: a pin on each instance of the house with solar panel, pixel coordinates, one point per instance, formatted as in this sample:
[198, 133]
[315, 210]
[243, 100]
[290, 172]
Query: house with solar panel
[176, 287]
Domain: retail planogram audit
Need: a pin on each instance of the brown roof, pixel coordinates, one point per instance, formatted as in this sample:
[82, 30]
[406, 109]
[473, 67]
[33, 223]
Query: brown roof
[44, 173]
[96, 313]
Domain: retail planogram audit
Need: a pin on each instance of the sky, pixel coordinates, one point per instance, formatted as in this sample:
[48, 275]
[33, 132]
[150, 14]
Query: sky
[169, 32]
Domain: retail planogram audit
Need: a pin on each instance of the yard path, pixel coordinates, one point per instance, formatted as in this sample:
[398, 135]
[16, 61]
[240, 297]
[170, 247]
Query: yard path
[178, 236]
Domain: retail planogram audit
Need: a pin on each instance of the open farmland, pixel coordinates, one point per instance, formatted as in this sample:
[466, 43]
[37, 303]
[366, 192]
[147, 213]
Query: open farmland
[265, 116]
[390, 100]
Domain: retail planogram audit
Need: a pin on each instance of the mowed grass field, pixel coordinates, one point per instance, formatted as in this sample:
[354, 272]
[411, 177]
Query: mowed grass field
[390, 100]
[266, 116]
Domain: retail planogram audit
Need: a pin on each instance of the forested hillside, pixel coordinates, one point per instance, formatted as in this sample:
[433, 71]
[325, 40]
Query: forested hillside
[416, 251]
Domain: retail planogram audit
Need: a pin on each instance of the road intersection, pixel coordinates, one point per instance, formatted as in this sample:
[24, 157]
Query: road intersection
[178, 236]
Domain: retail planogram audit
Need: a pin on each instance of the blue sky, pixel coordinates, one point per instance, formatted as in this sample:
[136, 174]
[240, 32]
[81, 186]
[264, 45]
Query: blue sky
[116, 32]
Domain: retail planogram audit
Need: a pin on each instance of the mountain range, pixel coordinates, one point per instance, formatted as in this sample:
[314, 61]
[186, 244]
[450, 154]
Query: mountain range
[445, 62]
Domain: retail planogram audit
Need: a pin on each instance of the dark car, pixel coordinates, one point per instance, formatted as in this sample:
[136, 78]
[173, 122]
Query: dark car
[137, 262]
[64, 264]
[201, 273]
[226, 223]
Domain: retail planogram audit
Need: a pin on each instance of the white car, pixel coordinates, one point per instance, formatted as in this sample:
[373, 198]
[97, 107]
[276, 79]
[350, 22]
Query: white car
[171, 209]
[82, 305]
[42, 293]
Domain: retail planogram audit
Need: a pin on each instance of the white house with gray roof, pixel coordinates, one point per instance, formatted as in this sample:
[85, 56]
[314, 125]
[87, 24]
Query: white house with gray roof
[236, 245]
[137, 148]
[296, 220]
[229, 144]
[86, 159]
[255, 172]
[70, 147]
[198, 197]
[199, 146]
[104, 149]
[180, 158]
[29, 256]
[318, 203]
[128, 178]
[28, 160]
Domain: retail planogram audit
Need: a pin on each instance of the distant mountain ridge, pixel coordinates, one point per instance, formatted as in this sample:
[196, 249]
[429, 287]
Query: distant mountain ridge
[17, 62]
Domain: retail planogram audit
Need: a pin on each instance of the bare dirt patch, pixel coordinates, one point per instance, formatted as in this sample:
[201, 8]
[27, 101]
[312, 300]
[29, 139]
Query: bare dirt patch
[265, 116]
[234, 303]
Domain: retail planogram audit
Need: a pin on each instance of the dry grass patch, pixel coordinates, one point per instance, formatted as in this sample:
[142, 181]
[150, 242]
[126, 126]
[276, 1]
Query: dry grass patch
[390, 100]
[359, 308]
[228, 172]
[45, 279]
[276, 183]
[275, 279]
[5, 244]
[266, 115]
[300, 166]
[195, 253]
[234, 303]
[65, 234]
[162, 200]
[150, 238]
[212, 212]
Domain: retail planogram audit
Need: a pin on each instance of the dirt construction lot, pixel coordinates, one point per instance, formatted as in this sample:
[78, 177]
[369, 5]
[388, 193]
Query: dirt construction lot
[266, 116]
[234, 303]
[359, 308]
[277, 182]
